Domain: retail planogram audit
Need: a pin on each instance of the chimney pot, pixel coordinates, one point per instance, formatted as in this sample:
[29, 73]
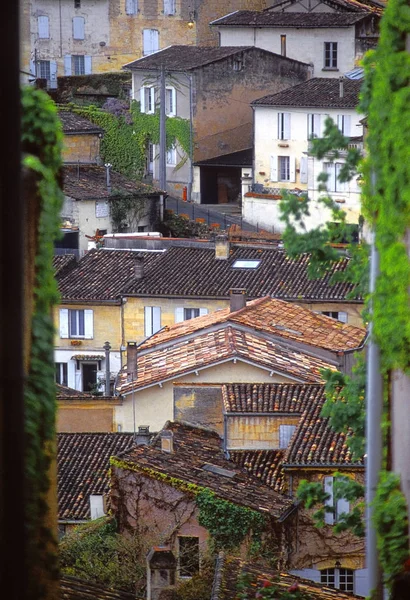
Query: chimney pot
[237, 299]
[167, 441]
[221, 247]
[142, 438]
[341, 87]
[131, 360]
[138, 268]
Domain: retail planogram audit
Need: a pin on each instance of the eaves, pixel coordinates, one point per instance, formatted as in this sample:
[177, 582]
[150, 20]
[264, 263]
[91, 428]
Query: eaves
[79, 301]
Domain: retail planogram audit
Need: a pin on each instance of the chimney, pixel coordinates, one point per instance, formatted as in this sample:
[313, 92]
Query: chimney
[143, 436]
[221, 247]
[131, 360]
[237, 298]
[138, 268]
[341, 86]
[161, 569]
[167, 441]
[107, 176]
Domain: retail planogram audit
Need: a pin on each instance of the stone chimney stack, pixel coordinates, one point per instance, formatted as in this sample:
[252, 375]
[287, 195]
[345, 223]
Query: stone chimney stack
[167, 441]
[221, 247]
[341, 87]
[138, 268]
[131, 360]
[237, 298]
[143, 436]
[161, 568]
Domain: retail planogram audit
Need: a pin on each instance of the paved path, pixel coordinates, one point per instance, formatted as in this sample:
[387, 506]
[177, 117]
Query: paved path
[224, 214]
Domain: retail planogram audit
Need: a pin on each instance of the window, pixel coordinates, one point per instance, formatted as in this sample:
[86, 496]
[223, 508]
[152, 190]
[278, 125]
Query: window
[170, 102]
[338, 507]
[149, 159]
[131, 7]
[61, 373]
[183, 314]
[150, 41]
[283, 126]
[313, 125]
[76, 323]
[282, 168]
[172, 156]
[169, 7]
[285, 433]
[343, 123]
[339, 316]
[78, 28]
[77, 3]
[333, 183]
[237, 64]
[341, 579]
[152, 320]
[330, 58]
[43, 69]
[147, 99]
[188, 556]
[77, 64]
[283, 45]
[43, 25]
[246, 264]
[96, 506]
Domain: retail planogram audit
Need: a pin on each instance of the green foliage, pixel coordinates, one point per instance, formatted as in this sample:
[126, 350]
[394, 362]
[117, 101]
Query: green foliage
[386, 199]
[180, 226]
[96, 552]
[127, 133]
[198, 586]
[41, 145]
[227, 523]
[249, 587]
[390, 519]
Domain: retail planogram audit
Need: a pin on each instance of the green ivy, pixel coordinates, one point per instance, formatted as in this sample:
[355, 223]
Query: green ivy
[227, 523]
[249, 587]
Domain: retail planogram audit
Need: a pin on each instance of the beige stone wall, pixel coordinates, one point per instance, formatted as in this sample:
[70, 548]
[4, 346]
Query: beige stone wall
[83, 148]
[74, 417]
[353, 310]
[107, 326]
[256, 432]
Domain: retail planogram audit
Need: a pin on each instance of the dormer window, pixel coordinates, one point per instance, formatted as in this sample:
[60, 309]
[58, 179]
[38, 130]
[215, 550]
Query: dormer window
[238, 64]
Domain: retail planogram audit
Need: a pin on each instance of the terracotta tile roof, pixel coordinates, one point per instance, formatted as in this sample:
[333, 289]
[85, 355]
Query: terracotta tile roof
[83, 463]
[63, 262]
[322, 92]
[265, 465]
[276, 318]
[74, 124]
[193, 448]
[340, 5]
[73, 588]
[67, 392]
[270, 397]
[213, 347]
[301, 20]
[230, 568]
[196, 273]
[88, 182]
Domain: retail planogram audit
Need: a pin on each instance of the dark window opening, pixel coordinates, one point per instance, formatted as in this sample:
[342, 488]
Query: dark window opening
[188, 556]
[61, 373]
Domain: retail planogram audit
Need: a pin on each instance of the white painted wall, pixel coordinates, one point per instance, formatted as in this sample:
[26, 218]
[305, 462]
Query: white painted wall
[306, 45]
[74, 376]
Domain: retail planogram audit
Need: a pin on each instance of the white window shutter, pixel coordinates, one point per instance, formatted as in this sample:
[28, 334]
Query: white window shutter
[347, 125]
[63, 323]
[78, 28]
[342, 506]
[292, 168]
[33, 68]
[147, 321]
[169, 7]
[151, 109]
[328, 487]
[142, 99]
[273, 168]
[87, 65]
[323, 120]
[67, 64]
[146, 41]
[203, 311]
[303, 175]
[154, 40]
[88, 324]
[179, 314]
[43, 27]
[53, 73]
[317, 125]
[96, 506]
[279, 136]
[77, 378]
[286, 126]
[156, 318]
[342, 317]
[285, 433]
[131, 7]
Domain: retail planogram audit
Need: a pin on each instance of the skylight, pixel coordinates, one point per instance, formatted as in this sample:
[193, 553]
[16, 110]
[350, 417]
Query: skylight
[218, 470]
[246, 264]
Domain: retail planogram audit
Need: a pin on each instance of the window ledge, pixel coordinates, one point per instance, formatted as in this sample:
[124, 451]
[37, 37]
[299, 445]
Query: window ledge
[330, 69]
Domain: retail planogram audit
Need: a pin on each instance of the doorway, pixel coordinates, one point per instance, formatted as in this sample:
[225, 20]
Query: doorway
[89, 376]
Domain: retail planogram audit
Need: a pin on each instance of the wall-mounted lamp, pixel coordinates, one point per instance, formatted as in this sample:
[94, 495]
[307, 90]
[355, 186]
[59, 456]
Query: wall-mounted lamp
[192, 19]
[338, 564]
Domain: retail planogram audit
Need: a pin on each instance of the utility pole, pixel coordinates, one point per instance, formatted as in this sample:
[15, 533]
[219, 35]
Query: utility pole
[107, 349]
[162, 141]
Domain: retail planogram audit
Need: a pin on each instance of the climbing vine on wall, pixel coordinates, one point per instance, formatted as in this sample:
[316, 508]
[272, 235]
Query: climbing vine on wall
[127, 131]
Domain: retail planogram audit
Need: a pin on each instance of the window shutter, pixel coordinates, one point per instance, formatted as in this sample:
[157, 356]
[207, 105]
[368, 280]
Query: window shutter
[342, 317]
[203, 311]
[77, 378]
[151, 92]
[329, 168]
[67, 64]
[156, 318]
[303, 170]
[53, 73]
[147, 321]
[43, 27]
[78, 28]
[285, 433]
[286, 126]
[342, 506]
[179, 314]
[96, 506]
[154, 40]
[131, 7]
[169, 7]
[322, 122]
[142, 99]
[87, 65]
[63, 323]
[146, 41]
[292, 168]
[347, 125]
[328, 486]
[33, 68]
[316, 125]
[273, 168]
[88, 324]
[279, 136]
